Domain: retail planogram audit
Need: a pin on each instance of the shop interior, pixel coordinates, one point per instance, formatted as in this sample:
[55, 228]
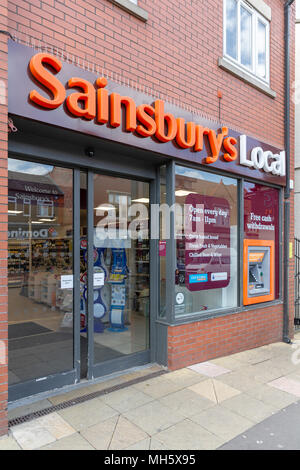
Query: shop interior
[40, 270]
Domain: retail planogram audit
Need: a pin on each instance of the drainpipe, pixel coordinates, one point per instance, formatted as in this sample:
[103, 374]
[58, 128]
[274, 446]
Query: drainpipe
[287, 15]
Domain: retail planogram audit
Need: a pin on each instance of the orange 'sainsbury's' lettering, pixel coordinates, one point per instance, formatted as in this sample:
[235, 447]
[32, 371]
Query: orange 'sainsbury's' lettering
[87, 98]
[190, 139]
[200, 132]
[94, 102]
[115, 111]
[229, 144]
[148, 125]
[47, 79]
[102, 101]
[215, 143]
[162, 118]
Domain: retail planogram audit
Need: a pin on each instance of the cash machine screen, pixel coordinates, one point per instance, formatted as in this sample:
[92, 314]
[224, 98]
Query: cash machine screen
[258, 271]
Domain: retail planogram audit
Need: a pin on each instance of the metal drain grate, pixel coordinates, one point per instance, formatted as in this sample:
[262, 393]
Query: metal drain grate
[82, 399]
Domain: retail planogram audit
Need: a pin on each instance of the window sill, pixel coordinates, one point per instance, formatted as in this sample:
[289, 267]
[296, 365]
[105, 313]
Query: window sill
[225, 64]
[211, 314]
[131, 8]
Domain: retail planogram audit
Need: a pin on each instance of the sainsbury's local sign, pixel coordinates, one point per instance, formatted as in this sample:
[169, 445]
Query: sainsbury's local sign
[65, 95]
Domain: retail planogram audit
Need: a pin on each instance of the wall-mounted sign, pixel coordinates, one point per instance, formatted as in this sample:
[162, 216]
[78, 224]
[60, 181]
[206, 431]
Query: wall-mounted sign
[259, 159]
[67, 96]
[207, 242]
[261, 219]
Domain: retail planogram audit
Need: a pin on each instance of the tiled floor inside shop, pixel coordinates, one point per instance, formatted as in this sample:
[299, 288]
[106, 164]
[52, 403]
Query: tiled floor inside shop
[40, 342]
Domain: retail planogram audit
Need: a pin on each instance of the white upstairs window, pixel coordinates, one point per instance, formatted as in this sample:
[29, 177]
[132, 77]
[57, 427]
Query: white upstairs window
[246, 38]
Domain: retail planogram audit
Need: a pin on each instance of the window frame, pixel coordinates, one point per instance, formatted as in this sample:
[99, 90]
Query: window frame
[27, 204]
[170, 319]
[12, 200]
[256, 16]
[43, 203]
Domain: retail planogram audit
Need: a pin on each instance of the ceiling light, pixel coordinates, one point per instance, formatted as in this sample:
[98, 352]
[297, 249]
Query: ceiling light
[141, 199]
[183, 192]
[104, 208]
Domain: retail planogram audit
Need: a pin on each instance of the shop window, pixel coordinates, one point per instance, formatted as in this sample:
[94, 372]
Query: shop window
[261, 243]
[206, 242]
[40, 260]
[246, 38]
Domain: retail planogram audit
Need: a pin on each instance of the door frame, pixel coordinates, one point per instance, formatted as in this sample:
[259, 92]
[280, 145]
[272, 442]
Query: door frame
[45, 151]
[95, 370]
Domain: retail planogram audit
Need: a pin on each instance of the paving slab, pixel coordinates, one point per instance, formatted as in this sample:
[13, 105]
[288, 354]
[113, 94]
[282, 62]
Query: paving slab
[153, 417]
[287, 385]
[56, 425]
[214, 390]
[222, 422]
[74, 442]
[188, 435]
[186, 402]
[249, 407]
[239, 380]
[100, 435]
[157, 445]
[87, 414]
[126, 399]
[8, 443]
[185, 377]
[125, 434]
[228, 362]
[272, 396]
[158, 387]
[41, 431]
[31, 436]
[209, 369]
[141, 445]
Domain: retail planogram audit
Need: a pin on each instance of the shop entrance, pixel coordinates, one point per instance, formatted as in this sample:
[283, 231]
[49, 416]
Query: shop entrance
[78, 275]
[115, 266]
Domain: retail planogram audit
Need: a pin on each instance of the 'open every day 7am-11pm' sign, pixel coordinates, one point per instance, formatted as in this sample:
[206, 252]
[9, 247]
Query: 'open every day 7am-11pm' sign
[207, 242]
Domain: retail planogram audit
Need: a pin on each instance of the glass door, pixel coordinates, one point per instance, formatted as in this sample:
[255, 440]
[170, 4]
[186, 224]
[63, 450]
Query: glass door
[114, 273]
[40, 277]
[78, 275]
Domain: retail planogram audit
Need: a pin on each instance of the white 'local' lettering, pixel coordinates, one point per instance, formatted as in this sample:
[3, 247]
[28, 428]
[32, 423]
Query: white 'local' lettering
[259, 159]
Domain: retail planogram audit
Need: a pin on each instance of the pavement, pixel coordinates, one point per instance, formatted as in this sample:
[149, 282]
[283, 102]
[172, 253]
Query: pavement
[248, 400]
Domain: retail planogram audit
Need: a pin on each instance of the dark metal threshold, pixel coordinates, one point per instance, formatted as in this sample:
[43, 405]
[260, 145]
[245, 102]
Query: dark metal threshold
[82, 399]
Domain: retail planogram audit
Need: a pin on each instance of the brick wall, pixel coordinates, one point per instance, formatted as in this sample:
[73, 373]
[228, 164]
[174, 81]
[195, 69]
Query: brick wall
[3, 217]
[176, 53]
[205, 340]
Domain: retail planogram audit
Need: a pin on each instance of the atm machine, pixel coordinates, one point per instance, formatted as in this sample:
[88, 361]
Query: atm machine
[258, 271]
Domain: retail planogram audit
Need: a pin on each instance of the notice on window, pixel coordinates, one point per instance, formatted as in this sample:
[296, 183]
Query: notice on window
[207, 242]
[66, 281]
[98, 279]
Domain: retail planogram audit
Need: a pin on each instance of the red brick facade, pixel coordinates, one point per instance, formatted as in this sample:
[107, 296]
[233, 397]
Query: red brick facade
[3, 214]
[176, 54]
